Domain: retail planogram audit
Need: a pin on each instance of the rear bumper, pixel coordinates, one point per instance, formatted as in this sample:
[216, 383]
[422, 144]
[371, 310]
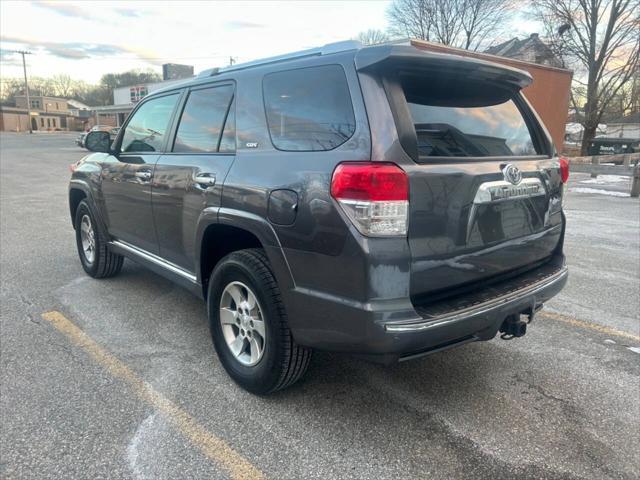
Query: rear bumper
[392, 331]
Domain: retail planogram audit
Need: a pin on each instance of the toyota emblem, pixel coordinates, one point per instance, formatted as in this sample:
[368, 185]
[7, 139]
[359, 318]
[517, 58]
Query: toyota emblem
[512, 174]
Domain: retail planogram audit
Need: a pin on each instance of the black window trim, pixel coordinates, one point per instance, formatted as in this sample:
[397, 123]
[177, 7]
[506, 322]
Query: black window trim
[409, 139]
[266, 118]
[118, 141]
[175, 123]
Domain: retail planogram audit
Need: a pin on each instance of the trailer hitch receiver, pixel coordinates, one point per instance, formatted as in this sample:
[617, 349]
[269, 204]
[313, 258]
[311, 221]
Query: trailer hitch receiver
[513, 327]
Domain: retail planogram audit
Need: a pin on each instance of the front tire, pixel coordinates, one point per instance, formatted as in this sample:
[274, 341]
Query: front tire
[249, 325]
[96, 258]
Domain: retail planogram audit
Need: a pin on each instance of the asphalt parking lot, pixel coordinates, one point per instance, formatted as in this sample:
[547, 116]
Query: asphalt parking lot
[123, 382]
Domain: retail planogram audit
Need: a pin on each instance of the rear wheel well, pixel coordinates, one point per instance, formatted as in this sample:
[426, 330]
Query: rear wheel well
[75, 197]
[217, 242]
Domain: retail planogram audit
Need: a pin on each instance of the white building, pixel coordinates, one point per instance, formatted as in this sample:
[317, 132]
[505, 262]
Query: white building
[125, 98]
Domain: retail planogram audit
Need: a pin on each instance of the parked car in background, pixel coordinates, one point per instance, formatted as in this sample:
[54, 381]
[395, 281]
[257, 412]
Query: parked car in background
[381, 201]
[113, 131]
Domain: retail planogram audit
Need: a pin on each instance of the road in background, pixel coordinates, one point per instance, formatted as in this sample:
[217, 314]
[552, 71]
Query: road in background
[562, 402]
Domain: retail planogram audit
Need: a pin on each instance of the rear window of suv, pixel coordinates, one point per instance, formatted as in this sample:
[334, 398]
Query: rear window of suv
[309, 109]
[457, 118]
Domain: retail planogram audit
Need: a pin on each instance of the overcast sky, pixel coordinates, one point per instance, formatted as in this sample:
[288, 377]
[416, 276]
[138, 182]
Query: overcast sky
[88, 39]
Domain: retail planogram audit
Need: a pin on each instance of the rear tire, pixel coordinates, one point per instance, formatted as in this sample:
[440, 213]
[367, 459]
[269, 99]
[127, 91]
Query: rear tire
[96, 258]
[246, 275]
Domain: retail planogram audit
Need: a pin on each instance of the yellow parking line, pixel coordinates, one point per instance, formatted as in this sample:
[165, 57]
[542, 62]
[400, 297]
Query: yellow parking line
[590, 326]
[211, 446]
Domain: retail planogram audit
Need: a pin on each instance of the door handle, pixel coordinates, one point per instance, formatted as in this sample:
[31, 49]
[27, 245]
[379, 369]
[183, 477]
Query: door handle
[143, 175]
[205, 179]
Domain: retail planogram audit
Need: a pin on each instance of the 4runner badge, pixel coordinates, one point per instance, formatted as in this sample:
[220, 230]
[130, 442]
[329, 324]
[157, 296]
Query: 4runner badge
[512, 174]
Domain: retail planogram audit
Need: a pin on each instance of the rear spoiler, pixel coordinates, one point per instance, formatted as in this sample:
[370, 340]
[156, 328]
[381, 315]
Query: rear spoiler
[398, 57]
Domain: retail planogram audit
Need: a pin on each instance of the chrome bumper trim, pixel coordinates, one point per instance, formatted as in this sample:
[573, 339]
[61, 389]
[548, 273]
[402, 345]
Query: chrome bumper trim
[463, 314]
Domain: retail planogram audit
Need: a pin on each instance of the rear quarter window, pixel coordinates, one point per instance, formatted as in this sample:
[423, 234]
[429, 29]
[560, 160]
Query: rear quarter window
[308, 109]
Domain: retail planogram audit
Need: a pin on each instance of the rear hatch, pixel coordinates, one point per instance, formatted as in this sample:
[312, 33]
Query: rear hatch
[484, 189]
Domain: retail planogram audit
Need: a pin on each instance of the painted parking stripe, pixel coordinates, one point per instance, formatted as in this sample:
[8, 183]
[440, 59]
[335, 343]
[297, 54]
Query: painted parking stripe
[213, 447]
[590, 326]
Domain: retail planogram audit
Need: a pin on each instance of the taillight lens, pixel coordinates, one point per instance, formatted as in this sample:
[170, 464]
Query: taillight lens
[564, 170]
[375, 197]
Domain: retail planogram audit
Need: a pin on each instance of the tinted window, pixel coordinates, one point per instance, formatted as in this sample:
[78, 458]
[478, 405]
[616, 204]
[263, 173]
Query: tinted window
[228, 142]
[458, 116]
[147, 129]
[309, 109]
[202, 120]
[492, 130]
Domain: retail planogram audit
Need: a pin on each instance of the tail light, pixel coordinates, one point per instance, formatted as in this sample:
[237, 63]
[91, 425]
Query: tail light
[375, 197]
[564, 170]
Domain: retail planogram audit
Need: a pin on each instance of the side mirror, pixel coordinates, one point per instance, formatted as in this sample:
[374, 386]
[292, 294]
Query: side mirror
[98, 142]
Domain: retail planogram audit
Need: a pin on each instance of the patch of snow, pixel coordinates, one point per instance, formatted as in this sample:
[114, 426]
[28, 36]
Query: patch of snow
[597, 191]
[634, 349]
[608, 340]
[604, 179]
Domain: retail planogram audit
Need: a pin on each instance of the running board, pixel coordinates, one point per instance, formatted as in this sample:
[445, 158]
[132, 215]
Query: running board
[158, 265]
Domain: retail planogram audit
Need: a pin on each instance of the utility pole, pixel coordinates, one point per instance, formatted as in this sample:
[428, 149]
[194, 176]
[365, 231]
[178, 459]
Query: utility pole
[26, 86]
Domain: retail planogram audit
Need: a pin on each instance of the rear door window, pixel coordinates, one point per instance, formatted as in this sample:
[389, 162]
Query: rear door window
[462, 119]
[228, 140]
[309, 109]
[202, 120]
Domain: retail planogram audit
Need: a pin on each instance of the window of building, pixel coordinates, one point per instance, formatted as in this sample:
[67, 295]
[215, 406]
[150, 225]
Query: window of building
[35, 104]
[42, 122]
[138, 93]
[53, 122]
[147, 129]
[309, 109]
[202, 120]
[48, 123]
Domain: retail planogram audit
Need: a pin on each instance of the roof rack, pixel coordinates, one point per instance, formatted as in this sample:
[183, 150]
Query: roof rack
[328, 49]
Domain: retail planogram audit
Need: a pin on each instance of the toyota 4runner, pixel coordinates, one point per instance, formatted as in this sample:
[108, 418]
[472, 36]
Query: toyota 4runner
[381, 201]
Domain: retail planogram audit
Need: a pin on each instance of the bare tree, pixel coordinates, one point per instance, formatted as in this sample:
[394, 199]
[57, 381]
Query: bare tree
[372, 37]
[465, 24]
[600, 40]
[41, 86]
[64, 85]
[410, 18]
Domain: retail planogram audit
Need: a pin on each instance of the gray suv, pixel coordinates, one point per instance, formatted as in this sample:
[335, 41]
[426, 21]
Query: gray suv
[381, 201]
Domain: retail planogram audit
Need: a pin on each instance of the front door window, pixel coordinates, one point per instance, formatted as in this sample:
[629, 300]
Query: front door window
[146, 131]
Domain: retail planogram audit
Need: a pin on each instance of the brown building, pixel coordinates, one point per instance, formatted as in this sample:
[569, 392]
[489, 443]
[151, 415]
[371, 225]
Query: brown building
[13, 119]
[548, 94]
[47, 113]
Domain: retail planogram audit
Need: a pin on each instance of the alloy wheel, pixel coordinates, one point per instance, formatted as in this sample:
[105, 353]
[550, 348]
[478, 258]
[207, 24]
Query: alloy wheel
[87, 236]
[242, 323]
